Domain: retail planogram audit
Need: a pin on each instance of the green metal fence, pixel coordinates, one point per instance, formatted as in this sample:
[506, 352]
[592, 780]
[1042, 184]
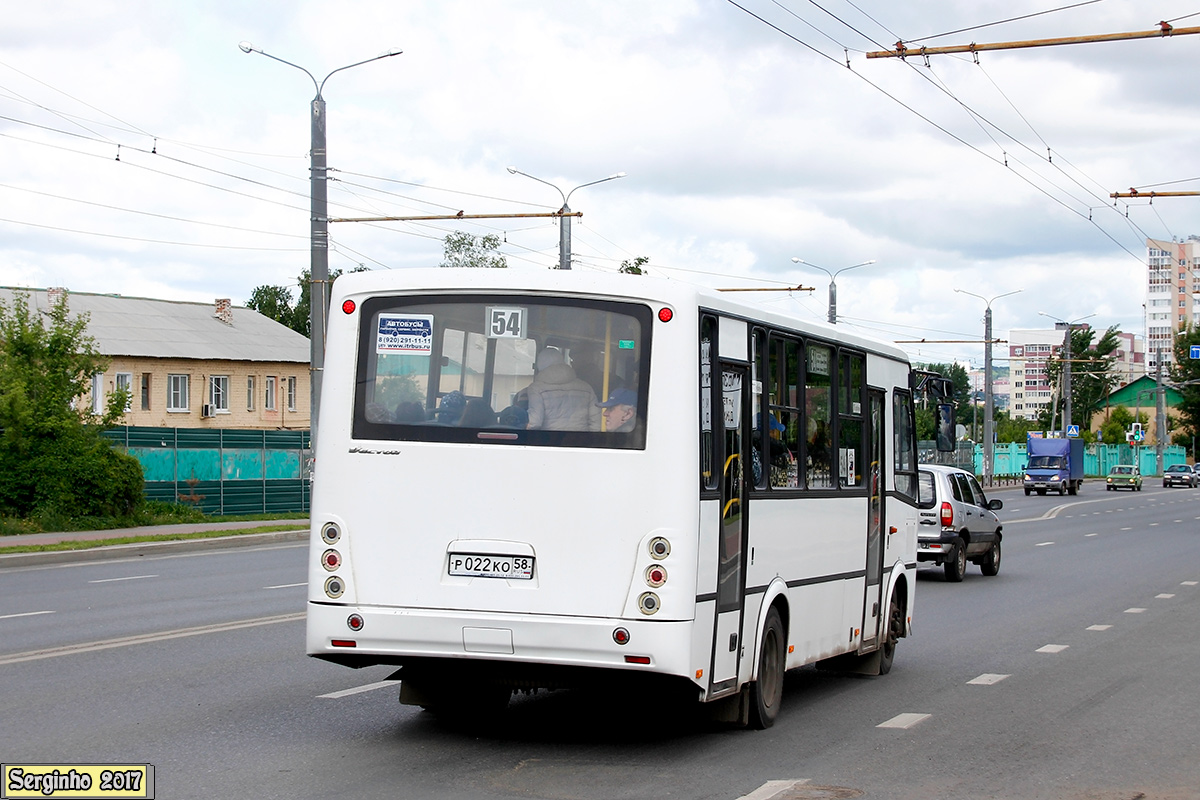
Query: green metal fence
[222, 471]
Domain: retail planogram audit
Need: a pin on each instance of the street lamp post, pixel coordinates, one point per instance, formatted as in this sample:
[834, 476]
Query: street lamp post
[1066, 382]
[564, 228]
[988, 401]
[318, 294]
[832, 316]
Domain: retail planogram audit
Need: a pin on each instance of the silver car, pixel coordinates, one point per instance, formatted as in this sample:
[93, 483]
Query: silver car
[957, 522]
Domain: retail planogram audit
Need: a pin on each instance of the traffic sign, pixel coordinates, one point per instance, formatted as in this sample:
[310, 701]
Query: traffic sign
[1194, 351]
[1073, 431]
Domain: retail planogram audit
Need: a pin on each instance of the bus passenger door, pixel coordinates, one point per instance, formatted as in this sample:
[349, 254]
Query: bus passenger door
[872, 603]
[731, 568]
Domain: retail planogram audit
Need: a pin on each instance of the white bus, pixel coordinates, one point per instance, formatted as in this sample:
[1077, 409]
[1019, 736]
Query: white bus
[538, 480]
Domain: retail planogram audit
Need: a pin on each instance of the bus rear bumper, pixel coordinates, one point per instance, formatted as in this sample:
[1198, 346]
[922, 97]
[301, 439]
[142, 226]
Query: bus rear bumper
[405, 635]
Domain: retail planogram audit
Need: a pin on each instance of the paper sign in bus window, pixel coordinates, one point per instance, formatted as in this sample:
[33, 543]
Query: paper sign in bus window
[404, 333]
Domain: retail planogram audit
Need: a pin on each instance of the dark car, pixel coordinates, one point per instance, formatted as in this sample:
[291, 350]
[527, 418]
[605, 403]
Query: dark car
[1179, 475]
[957, 522]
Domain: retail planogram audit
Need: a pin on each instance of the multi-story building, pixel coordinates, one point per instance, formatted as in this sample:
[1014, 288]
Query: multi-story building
[1172, 293]
[190, 365]
[1029, 388]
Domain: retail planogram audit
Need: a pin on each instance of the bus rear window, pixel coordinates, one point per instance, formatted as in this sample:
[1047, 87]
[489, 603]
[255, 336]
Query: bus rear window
[504, 370]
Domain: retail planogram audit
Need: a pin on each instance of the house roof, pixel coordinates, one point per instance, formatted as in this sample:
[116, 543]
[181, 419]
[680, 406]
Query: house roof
[1142, 392]
[139, 326]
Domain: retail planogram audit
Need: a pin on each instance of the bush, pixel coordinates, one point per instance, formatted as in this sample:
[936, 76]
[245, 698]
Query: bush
[74, 474]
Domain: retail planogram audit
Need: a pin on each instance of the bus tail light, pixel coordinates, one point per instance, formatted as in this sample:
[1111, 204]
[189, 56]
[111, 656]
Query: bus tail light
[637, 659]
[344, 643]
[947, 514]
[648, 603]
[621, 636]
[660, 548]
[656, 575]
[354, 622]
[330, 532]
[331, 560]
[334, 586]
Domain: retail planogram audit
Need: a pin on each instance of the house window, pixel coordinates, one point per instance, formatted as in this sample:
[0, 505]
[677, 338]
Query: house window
[125, 383]
[177, 393]
[218, 392]
[250, 393]
[145, 391]
[98, 393]
[291, 393]
[270, 401]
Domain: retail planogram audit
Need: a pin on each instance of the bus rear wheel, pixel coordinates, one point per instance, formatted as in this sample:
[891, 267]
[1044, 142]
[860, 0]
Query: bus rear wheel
[766, 693]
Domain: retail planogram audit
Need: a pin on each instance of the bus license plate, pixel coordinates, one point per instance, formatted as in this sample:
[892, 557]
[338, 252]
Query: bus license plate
[487, 566]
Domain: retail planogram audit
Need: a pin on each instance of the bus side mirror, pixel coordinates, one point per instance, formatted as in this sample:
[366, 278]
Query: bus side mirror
[945, 427]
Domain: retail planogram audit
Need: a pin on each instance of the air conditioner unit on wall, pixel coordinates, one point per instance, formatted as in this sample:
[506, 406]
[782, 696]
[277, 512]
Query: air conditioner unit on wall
[206, 410]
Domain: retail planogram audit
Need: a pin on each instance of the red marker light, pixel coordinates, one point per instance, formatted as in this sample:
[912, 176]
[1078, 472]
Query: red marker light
[348, 307]
[665, 315]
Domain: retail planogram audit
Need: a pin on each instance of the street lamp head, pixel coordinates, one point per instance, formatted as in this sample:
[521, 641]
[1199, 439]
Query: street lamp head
[246, 47]
[512, 170]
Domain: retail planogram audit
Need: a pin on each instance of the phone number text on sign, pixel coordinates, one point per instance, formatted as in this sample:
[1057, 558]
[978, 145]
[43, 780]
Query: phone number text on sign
[404, 333]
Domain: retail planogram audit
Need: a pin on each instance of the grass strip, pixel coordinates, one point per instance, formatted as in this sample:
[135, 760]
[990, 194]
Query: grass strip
[166, 537]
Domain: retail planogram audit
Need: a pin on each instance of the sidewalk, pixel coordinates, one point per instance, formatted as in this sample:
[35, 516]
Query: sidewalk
[298, 530]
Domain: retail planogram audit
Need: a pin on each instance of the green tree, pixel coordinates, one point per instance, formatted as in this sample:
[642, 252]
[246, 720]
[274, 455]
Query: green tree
[463, 249]
[1092, 373]
[53, 460]
[1009, 429]
[1183, 370]
[274, 302]
[635, 267]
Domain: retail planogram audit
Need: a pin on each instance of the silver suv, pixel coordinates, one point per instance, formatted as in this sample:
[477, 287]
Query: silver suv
[957, 522]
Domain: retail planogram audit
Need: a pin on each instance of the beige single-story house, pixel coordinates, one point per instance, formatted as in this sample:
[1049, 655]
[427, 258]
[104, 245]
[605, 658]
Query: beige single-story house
[190, 365]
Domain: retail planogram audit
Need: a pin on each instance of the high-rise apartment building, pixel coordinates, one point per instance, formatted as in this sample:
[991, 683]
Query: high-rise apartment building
[1172, 293]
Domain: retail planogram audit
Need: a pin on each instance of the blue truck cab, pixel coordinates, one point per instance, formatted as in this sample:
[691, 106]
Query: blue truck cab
[1055, 465]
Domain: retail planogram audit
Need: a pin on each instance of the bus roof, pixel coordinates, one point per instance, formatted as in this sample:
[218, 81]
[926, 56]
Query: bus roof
[578, 282]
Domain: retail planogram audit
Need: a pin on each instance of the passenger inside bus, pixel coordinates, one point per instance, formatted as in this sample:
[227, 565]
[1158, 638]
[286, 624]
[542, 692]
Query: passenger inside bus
[620, 411]
[477, 414]
[557, 399]
[409, 411]
[450, 410]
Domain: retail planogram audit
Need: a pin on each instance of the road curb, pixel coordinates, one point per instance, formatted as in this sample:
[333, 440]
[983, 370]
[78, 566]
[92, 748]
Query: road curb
[138, 549]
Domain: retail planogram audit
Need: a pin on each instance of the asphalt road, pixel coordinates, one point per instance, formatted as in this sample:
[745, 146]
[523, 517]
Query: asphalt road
[1069, 675]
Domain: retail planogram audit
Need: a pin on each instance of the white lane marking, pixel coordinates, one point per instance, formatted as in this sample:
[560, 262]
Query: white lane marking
[987, 679]
[1043, 544]
[130, 578]
[1163, 596]
[286, 585]
[1134, 610]
[772, 789]
[904, 721]
[1052, 648]
[1098, 627]
[148, 558]
[1189, 583]
[1089, 535]
[1126, 529]
[145, 638]
[1152, 525]
[26, 614]
[358, 689]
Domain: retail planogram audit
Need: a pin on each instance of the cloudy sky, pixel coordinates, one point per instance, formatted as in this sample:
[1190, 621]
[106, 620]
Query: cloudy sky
[147, 155]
